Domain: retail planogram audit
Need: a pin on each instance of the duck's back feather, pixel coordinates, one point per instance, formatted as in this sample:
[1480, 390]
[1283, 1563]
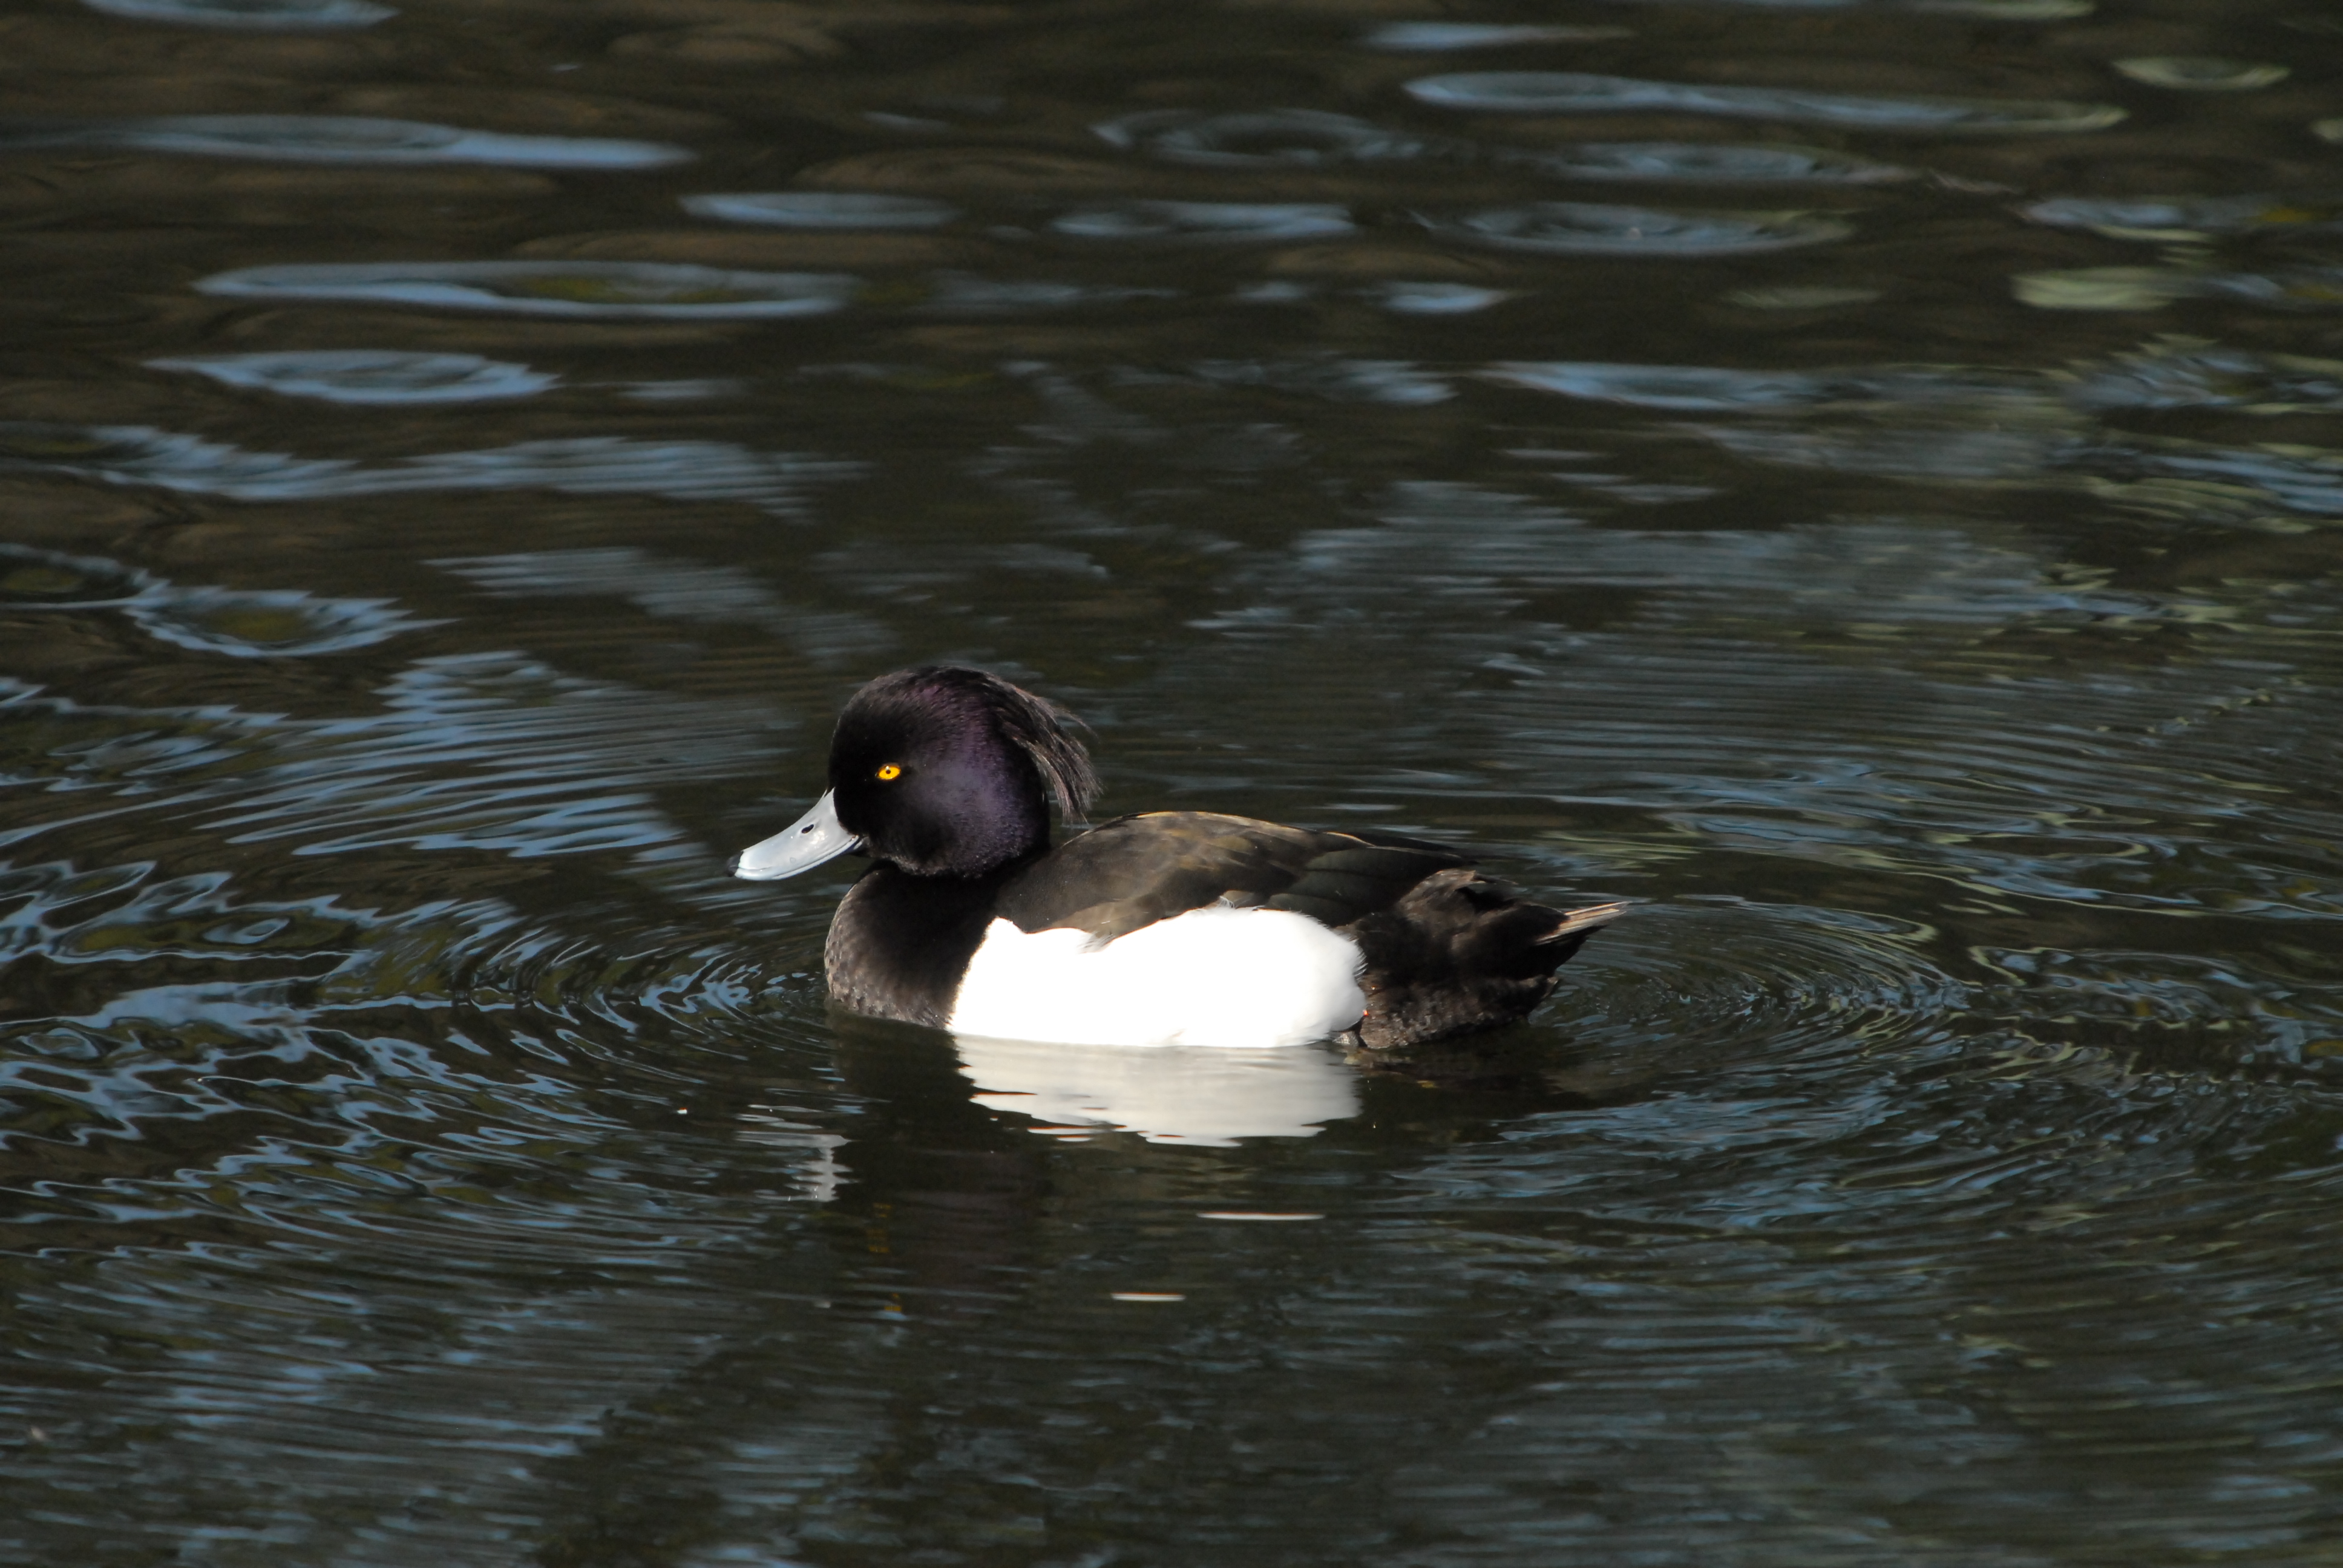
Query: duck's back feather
[1444, 948]
[1133, 872]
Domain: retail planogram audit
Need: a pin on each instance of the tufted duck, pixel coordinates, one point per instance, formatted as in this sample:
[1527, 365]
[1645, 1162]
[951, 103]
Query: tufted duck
[1160, 928]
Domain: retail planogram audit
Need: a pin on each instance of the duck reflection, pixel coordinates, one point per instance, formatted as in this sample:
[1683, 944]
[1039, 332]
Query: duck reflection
[1195, 1095]
[934, 1213]
[943, 1185]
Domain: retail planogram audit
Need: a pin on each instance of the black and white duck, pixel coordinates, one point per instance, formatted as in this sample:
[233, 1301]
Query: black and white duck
[1165, 928]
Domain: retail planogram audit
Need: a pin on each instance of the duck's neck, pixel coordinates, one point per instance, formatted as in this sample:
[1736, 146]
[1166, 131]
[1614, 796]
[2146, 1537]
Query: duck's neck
[900, 943]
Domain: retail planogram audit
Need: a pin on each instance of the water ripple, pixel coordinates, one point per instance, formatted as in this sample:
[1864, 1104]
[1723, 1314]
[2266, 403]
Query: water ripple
[1589, 229]
[369, 376]
[1991, 10]
[320, 1115]
[483, 753]
[1701, 387]
[2044, 429]
[1575, 93]
[2153, 288]
[2305, 481]
[585, 466]
[1392, 381]
[960, 291]
[2201, 74]
[338, 139]
[1269, 138]
[2165, 219]
[1409, 297]
[1723, 977]
[1719, 162]
[242, 623]
[2186, 374]
[1200, 220]
[692, 591]
[1430, 37]
[651, 290]
[253, 15]
[821, 210]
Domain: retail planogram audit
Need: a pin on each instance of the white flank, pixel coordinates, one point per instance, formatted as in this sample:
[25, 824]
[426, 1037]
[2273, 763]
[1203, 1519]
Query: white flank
[1214, 976]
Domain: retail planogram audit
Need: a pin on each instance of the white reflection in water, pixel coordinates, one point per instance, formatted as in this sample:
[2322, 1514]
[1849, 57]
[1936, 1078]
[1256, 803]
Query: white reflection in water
[673, 589]
[2201, 74]
[1576, 92]
[821, 210]
[592, 465]
[256, 15]
[2107, 287]
[1166, 1094]
[613, 288]
[822, 1172]
[369, 375]
[1591, 228]
[338, 139]
[1207, 221]
[1272, 138]
[2152, 288]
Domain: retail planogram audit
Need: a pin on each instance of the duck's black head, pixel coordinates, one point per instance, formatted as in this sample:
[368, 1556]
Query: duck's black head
[944, 770]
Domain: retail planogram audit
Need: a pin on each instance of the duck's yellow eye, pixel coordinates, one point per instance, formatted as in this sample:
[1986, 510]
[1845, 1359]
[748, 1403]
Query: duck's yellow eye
[888, 772]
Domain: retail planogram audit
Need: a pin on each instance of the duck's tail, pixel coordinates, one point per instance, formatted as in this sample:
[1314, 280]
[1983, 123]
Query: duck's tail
[1463, 951]
[1570, 933]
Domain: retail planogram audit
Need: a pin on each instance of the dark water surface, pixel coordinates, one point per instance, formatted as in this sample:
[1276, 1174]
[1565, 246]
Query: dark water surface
[1863, 481]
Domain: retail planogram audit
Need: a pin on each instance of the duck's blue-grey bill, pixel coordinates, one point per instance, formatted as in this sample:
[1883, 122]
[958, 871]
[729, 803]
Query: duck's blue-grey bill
[816, 837]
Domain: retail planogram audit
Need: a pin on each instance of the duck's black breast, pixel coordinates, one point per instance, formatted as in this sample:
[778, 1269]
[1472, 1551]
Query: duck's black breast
[1136, 871]
[900, 944]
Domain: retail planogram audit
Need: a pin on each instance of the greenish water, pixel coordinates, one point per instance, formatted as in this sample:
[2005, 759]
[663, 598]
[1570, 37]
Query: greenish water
[1861, 480]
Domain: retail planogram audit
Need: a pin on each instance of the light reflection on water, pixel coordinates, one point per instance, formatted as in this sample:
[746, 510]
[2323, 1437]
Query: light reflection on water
[600, 465]
[1575, 92]
[258, 15]
[369, 376]
[327, 140]
[422, 566]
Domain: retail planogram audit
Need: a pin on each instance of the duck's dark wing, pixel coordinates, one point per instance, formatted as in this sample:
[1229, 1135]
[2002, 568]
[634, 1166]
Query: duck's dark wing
[1445, 951]
[1136, 871]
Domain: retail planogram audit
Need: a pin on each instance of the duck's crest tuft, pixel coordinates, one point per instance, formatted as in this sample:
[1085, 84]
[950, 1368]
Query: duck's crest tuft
[1039, 727]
